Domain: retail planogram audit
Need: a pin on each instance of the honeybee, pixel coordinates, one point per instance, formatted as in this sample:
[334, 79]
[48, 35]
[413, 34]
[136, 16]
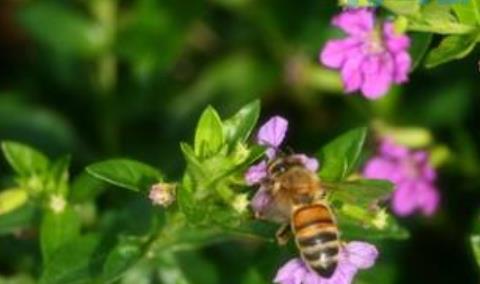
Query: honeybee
[299, 204]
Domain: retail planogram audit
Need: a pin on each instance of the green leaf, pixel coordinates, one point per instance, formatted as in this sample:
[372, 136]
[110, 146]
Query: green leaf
[124, 255]
[475, 241]
[24, 160]
[238, 127]
[194, 167]
[18, 219]
[209, 137]
[451, 48]
[438, 18]
[468, 13]
[402, 7]
[364, 226]
[125, 173]
[339, 158]
[196, 267]
[57, 229]
[362, 193]
[73, 262]
[58, 176]
[11, 199]
[85, 188]
[420, 45]
[75, 35]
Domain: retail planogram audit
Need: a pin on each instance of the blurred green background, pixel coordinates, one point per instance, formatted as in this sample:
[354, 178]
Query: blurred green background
[106, 78]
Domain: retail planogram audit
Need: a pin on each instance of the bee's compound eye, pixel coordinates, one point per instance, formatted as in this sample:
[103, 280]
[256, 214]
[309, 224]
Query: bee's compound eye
[279, 168]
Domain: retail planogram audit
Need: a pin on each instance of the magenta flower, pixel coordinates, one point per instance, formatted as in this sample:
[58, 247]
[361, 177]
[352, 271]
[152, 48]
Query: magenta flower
[353, 256]
[412, 175]
[271, 134]
[371, 57]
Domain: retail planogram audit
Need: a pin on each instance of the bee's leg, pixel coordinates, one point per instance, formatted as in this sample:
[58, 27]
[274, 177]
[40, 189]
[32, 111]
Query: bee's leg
[283, 234]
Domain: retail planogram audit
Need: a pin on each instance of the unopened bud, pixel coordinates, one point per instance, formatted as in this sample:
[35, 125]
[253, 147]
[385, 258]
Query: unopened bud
[162, 194]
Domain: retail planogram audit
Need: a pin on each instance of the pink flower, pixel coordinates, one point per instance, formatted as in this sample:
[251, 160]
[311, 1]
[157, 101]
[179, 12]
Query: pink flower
[271, 134]
[371, 57]
[162, 194]
[413, 176]
[353, 256]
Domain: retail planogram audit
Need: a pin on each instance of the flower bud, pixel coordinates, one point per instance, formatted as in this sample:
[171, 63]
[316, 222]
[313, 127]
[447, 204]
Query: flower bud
[162, 194]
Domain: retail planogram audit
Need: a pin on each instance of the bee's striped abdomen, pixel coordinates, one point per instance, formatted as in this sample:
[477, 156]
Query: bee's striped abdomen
[317, 237]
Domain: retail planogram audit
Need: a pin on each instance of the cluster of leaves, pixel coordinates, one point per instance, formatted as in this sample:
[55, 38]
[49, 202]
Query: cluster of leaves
[211, 203]
[458, 21]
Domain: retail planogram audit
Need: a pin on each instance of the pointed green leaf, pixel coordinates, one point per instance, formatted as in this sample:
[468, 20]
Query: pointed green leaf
[468, 11]
[475, 242]
[209, 137]
[402, 7]
[339, 158]
[24, 160]
[58, 176]
[438, 18]
[73, 262]
[126, 173]
[57, 229]
[124, 255]
[420, 44]
[451, 48]
[238, 127]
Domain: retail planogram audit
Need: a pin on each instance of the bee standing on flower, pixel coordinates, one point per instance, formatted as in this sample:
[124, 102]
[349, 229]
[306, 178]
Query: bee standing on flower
[290, 193]
[299, 204]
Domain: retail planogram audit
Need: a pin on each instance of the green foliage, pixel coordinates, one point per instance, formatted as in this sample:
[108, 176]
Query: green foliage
[76, 35]
[209, 137]
[24, 160]
[56, 230]
[340, 157]
[72, 263]
[125, 173]
[106, 78]
[451, 48]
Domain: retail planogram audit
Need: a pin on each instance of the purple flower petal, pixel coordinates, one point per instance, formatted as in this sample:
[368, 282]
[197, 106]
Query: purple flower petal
[403, 63]
[412, 176]
[377, 74]
[362, 255]
[310, 163]
[260, 201]
[354, 256]
[388, 148]
[351, 75]
[290, 272]
[356, 22]
[336, 52]
[394, 41]
[379, 168]
[272, 133]
[368, 62]
[256, 173]
[428, 199]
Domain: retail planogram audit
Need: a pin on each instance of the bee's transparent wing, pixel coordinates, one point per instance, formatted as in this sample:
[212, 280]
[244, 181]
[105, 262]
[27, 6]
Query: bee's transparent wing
[362, 193]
